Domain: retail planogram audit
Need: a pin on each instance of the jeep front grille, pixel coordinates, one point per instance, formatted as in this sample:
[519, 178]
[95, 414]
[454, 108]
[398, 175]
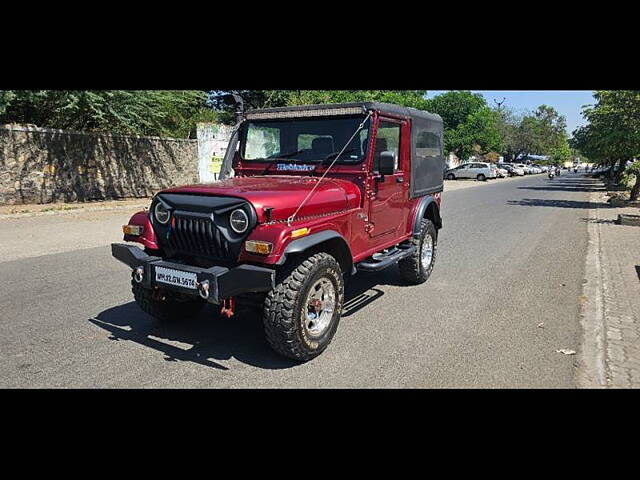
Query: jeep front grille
[198, 237]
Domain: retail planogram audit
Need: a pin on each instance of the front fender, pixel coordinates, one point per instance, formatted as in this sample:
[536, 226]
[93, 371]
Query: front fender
[148, 237]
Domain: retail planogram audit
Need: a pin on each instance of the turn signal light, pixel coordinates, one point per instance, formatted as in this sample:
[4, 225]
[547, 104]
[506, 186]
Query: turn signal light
[132, 229]
[301, 232]
[262, 248]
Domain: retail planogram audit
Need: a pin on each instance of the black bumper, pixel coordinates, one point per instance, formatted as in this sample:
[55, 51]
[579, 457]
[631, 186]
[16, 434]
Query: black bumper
[223, 282]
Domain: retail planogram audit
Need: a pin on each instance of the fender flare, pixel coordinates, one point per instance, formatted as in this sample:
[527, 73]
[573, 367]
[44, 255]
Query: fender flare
[421, 210]
[305, 243]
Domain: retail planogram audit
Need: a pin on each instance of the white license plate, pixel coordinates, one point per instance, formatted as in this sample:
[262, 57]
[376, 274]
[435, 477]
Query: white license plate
[176, 277]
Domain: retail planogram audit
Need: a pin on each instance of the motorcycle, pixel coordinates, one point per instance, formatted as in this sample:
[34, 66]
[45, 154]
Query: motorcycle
[551, 175]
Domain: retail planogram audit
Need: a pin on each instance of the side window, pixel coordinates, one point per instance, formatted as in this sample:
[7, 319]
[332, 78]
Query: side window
[387, 140]
[428, 144]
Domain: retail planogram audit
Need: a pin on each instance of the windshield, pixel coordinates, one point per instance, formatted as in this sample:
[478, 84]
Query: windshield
[305, 139]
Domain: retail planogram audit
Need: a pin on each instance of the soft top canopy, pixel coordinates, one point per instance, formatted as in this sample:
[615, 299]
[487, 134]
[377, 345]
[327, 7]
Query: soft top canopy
[340, 109]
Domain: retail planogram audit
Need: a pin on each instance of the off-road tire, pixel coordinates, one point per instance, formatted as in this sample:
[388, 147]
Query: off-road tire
[411, 268]
[163, 306]
[481, 178]
[284, 309]
[451, 176]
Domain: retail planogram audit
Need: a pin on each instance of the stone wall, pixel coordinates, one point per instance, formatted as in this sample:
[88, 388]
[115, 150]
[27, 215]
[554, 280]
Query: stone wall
[39, 165]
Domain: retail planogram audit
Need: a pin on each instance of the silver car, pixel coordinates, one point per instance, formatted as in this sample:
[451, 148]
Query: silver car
[478, 170]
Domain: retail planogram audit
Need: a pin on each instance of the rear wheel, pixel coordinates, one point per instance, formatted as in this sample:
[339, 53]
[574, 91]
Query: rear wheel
[481, 178]
[165, 306]
[417, 268]
[451, 176]
[301, 314]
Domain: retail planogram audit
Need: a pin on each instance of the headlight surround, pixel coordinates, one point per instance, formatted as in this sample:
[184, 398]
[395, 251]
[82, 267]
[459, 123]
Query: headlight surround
[239, 221]
[161, 213]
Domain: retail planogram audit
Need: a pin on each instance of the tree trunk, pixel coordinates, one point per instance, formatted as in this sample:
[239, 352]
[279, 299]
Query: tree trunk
[620, 170]
[635, 191]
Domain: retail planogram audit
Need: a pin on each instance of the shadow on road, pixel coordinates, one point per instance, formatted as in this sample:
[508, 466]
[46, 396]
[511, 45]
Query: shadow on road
[539, 202]
[567, 187]
[572, 185]
[210, 337]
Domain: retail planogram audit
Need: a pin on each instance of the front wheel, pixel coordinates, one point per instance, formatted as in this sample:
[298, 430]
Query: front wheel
[451, 176]
[165, 306]
[417, 268]
[301, 314]
[481, 178]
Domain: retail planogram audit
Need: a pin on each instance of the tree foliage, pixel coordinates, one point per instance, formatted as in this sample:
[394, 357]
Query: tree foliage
[613, 132]
[143, 112]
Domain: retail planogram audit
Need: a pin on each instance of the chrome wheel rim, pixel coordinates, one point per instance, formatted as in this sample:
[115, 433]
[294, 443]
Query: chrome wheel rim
[427, 252]
[319, 307]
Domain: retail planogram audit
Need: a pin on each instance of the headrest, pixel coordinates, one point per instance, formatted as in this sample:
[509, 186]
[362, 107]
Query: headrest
[322, 145]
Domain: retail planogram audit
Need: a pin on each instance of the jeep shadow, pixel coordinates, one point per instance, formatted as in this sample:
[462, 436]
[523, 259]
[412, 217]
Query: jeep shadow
[212, 337]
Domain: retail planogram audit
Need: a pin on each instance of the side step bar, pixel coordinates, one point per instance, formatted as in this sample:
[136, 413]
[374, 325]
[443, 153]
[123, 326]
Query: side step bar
[376, 264]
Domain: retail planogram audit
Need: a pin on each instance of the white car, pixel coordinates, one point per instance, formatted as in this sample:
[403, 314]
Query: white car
[478, 170]
[525, 168]
[502, 172]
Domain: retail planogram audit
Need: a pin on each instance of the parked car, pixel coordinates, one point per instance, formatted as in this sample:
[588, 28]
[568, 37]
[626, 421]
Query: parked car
[525, 168]
[291, 227]
[512, 169]
[479, 170]
[501, 172]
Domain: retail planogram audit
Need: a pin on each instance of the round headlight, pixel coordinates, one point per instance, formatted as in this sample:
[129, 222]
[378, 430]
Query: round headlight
[161, 213]
[239, 221]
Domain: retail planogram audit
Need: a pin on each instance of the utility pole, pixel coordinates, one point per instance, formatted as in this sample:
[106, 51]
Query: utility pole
[499, 104]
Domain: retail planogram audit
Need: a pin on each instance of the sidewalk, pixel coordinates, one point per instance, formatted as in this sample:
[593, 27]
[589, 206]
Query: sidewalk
[612, 310]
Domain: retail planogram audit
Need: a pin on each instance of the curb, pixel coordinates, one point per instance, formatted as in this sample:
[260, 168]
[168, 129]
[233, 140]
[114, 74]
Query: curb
[592, 371]
[73, 210]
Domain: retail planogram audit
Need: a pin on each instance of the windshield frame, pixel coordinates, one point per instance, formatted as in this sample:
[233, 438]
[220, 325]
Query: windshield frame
[357, 118]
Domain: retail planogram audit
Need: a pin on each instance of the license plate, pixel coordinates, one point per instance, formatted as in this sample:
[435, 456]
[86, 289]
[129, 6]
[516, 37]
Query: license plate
[176, 277]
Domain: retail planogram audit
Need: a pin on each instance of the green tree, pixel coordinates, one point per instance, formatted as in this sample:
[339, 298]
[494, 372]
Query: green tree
[143, 112]
[612, 134]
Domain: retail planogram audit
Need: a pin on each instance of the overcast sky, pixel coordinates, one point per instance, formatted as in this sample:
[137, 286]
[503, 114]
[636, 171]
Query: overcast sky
[568, 102]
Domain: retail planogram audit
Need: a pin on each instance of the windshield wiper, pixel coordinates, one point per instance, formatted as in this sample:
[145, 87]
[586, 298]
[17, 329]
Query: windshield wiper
[285, 155]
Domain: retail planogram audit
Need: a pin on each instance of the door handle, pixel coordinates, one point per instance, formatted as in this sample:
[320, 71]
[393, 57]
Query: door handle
[399, 179]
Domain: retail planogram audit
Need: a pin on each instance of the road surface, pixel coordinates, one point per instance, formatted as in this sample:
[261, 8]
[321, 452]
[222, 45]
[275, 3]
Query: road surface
[511, 257]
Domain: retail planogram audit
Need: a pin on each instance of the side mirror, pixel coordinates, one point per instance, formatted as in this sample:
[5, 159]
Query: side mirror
[387, 164]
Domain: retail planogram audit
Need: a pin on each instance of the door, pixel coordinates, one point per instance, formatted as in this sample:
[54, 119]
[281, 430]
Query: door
[463, 171]
[390, 193]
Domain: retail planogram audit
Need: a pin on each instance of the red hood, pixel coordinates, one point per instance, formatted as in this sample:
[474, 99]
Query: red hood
[284, 193]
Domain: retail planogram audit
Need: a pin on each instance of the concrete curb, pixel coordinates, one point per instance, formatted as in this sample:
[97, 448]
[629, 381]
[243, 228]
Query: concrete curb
[69, 211]
[592, 371]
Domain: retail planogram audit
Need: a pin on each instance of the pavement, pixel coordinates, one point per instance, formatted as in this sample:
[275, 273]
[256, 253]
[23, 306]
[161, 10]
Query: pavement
[611, 316]
[505, 296]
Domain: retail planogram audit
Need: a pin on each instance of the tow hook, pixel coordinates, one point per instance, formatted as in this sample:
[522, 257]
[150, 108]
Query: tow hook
[138, 273]
[203, 289]
[228, 307]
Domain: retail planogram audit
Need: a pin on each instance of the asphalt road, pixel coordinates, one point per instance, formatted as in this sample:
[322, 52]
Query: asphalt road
[511, 256]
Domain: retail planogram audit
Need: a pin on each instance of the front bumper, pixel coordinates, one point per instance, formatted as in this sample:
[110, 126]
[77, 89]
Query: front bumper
[223, 282]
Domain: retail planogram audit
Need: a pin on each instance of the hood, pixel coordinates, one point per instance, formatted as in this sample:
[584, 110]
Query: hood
[282, 193]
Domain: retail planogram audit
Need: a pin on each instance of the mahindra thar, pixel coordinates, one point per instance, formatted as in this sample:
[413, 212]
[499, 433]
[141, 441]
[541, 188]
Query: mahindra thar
[320, 192]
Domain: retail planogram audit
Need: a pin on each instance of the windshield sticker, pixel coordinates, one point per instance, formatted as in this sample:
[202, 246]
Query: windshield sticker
[292, 167]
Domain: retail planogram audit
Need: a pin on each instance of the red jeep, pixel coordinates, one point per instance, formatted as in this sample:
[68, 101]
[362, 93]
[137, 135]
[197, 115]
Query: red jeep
[320, 192]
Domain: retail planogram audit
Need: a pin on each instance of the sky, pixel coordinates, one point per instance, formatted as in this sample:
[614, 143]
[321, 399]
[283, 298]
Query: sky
[567, 102]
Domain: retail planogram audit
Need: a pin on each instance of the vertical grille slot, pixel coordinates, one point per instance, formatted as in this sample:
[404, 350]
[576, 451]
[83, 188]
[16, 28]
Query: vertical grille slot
[197, 236]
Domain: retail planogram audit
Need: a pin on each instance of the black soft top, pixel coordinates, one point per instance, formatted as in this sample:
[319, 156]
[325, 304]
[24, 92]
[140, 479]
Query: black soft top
[408, 112]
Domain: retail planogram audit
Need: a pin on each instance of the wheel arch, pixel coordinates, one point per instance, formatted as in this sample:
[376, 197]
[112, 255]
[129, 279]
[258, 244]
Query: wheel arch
[427, 208]
[328, 241]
